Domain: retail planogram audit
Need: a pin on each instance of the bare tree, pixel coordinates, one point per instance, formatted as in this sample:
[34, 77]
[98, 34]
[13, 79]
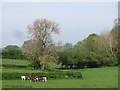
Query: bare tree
[41, 44]
[117, 22]
[106, 42]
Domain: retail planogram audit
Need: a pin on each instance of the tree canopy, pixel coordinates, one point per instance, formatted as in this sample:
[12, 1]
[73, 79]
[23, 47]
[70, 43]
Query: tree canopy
[41, 41]
[12, 52]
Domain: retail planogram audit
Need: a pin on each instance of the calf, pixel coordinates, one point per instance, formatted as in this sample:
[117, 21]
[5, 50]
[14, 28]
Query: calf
[34, 78]
[23, 77]
[42, 79]
[45, 79]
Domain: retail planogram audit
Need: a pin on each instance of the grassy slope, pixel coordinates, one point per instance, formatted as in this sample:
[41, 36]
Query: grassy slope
[20, 70]
[106, 77]
[14, 62]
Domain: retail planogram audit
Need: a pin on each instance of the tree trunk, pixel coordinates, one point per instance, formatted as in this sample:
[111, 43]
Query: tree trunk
[43, 66]
[110, 45]
[42, 62]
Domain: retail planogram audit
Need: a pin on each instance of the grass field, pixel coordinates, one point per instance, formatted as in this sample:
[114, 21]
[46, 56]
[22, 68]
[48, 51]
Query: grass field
[14, 62]
[19, 70]
[106, 77]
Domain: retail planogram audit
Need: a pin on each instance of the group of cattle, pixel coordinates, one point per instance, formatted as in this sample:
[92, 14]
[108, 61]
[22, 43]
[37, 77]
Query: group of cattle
[34, 78]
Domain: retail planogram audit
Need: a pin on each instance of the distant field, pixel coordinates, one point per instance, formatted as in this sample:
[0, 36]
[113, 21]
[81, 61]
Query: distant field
[14, 62]
[20, 64]
[20, 70]
[106, 77]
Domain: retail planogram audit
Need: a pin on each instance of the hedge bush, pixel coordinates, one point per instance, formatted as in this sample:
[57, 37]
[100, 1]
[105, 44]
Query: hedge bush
[49, 75]
[14, 66]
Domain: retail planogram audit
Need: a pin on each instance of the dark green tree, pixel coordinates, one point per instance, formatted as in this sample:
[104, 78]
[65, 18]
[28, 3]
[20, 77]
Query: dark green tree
[12, 52]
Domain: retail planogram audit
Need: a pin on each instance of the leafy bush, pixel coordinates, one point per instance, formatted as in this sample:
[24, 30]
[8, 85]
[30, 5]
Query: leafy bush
[12, 52]
[14, 66]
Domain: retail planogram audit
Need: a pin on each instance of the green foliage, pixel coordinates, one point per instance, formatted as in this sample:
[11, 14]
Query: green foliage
[67, 46]
[90, 42]
[51, 66]
[49, 75]
[15, 62]
[35, 64]
[12, 52]
[87, 53]
[106, 77]
[15, 66]
[93, 51]
[20, 70]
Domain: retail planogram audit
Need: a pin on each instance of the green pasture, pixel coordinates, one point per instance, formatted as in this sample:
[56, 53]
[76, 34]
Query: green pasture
[20, 70]
[105, 77]
[15, 62]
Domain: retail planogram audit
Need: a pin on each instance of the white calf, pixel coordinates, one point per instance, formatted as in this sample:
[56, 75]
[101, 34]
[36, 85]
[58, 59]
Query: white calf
[45, 79]
[23, 77]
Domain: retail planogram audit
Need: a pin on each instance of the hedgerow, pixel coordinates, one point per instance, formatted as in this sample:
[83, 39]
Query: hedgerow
[49, 75]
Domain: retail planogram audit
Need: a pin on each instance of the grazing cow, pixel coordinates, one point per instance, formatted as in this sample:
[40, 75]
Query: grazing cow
[27, 77]
[45, 79]
[34, 78]
[37, 78]
[42, 79]
[23, 77]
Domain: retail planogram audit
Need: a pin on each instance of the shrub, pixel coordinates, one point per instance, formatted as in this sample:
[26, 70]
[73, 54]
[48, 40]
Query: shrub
[14, 66]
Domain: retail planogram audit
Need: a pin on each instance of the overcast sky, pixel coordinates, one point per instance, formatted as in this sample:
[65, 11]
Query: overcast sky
[76, 20]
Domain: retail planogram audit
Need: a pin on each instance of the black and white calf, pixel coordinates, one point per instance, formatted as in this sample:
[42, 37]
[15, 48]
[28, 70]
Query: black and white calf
[42, 79]
[23, 78]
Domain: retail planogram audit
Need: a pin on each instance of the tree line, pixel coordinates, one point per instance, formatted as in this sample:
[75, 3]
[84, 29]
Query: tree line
[40, 49]
[12, 52]
[94, 51]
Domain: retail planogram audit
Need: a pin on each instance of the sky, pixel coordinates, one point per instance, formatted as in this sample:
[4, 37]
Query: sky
[76, 19]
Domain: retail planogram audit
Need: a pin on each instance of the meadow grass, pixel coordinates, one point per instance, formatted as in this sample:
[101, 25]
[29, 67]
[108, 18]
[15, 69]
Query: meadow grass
[20, 71]
[106, 77]
[14, 62]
